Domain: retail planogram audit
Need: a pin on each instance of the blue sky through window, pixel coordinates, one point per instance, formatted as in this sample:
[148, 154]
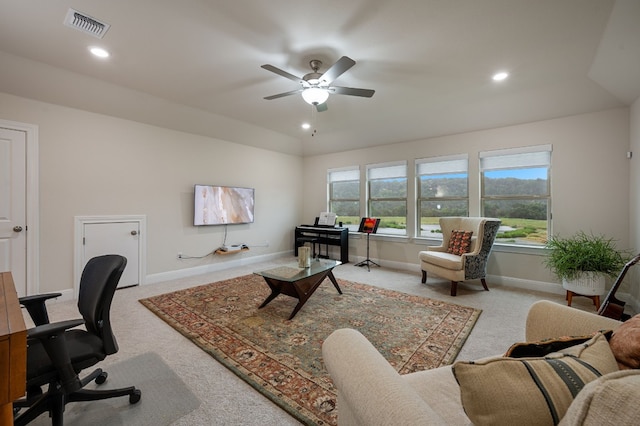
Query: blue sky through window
[525, 174]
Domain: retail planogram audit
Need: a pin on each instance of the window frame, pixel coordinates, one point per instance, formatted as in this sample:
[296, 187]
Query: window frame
[405, 199]
[539, 156]
[442, 165]
[345, 171]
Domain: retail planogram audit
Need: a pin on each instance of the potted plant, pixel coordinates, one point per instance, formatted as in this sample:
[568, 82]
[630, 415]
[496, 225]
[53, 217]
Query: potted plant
[582, 261]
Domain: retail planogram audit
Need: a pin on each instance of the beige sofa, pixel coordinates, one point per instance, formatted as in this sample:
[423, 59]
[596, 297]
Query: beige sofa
[371, 392]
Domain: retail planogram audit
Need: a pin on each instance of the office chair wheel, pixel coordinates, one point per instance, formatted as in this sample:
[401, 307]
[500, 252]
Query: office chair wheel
[135, 396]
[102, 377]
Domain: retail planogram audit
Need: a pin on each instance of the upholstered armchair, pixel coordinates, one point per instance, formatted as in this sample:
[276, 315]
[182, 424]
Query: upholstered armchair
[464, 252]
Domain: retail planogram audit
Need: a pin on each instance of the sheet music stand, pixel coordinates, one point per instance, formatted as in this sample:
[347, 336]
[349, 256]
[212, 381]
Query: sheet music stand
[368, 225]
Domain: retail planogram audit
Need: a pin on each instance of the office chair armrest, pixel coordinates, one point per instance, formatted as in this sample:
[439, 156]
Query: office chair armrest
[46, 331]
[52, 337]
[36, 307]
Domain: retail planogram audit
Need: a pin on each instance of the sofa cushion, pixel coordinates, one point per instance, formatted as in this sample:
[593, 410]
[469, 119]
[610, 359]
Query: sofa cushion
[625, 343]
[460, 242]
[442, 259]
[612, 399]
[534, 390]
[439, 389]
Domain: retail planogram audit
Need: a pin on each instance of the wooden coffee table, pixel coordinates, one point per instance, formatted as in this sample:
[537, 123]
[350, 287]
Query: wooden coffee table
[297, 282]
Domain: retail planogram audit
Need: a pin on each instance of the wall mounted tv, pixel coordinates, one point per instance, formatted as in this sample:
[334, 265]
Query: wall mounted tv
[222, 205]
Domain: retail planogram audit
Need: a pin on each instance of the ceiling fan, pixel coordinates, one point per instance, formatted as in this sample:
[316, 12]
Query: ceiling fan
[316, 87]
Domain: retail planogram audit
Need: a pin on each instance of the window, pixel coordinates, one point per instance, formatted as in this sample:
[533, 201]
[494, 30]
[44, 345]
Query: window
[387, 196]
[442, 188]
[516, 187]
[344, 195]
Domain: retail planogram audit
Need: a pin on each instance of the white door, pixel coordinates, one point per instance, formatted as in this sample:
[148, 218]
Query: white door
[13, 190]
[114, 238]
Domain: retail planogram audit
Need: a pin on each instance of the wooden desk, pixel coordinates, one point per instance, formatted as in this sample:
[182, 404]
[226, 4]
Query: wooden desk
[13, 349]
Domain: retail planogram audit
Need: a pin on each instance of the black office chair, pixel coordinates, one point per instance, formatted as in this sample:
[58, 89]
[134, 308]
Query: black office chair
[57, 352]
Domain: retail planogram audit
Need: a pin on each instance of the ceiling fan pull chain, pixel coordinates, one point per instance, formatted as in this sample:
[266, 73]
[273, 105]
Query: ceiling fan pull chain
[314, 118]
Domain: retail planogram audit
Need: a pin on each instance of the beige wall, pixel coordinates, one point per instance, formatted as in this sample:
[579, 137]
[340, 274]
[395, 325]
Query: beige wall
[590, 181]
[634, 195]
[92, 164]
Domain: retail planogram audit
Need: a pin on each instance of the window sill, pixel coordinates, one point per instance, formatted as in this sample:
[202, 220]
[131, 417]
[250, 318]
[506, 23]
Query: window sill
[497, 247]
[521, 249]
[381, 237]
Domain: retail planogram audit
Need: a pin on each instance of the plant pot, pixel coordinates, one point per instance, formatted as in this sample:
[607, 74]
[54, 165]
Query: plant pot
[587, 284]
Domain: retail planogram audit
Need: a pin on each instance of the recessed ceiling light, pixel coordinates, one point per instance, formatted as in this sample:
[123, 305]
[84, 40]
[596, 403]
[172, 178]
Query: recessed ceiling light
[500, 76]
[99, 52]
[306, 126]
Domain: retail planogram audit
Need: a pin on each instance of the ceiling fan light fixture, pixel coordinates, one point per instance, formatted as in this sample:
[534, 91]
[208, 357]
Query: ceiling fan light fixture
[315, 95]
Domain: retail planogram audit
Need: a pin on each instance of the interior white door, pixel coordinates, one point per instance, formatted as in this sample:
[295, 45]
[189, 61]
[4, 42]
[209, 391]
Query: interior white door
[114, 238]
[13, 215]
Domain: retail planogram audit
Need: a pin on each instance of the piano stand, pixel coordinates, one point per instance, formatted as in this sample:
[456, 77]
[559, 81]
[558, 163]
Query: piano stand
[367, 261]
[323, 236]
[312, 242]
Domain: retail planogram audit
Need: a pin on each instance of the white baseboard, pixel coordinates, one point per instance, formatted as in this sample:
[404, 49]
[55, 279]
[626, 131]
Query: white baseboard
[401, 266]
[632, 303]
[523, 284]
[204, 269]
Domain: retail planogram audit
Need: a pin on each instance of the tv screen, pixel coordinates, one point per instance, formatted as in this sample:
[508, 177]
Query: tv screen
[222, 205]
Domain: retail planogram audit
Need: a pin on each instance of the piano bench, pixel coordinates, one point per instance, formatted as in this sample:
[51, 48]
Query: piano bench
[300, 241]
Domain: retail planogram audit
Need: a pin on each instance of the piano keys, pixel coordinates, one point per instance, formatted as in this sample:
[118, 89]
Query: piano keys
[327, 236]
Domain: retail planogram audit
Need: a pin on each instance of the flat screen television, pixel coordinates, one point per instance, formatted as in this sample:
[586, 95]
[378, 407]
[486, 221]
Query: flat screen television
[222, 205]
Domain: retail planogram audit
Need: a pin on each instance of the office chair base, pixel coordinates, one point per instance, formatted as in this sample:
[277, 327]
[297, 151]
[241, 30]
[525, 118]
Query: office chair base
[54, 401]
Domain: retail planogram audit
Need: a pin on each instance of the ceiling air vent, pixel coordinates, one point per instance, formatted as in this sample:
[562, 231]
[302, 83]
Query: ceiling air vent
[85, 23]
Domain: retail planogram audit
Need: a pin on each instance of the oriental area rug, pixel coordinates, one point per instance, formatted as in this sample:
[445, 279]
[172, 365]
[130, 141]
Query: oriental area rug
[282, 358]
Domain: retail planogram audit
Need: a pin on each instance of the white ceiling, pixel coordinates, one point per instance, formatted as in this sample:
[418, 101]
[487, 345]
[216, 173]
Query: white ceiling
[194, 65]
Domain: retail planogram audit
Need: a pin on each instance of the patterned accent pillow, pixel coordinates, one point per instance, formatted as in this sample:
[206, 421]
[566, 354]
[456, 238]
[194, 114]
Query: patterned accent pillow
[460, 242]
[531, 391]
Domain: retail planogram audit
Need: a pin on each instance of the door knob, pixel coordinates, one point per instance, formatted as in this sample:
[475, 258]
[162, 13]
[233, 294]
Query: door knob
[17, 228]
[134, 232]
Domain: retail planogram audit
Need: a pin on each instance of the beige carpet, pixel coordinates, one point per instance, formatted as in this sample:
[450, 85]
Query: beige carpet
[165, 397]
[227, 399]
[282, 358]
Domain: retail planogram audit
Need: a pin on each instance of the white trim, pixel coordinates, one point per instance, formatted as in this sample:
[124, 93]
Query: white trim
[80, 221]
[523, 284]
[441, 158]
[343, 169]
[518, 150]
[392, 166]
[33, 207]
[214, 267]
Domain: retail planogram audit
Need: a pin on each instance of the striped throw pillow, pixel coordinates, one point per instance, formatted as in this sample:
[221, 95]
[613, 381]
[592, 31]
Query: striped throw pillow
[531, 391]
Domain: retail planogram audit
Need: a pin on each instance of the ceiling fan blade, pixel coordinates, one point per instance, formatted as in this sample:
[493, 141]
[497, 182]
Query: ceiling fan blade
[322, 107]
[282, 73]
[365, 93]
[337, 69]
[282, 95]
